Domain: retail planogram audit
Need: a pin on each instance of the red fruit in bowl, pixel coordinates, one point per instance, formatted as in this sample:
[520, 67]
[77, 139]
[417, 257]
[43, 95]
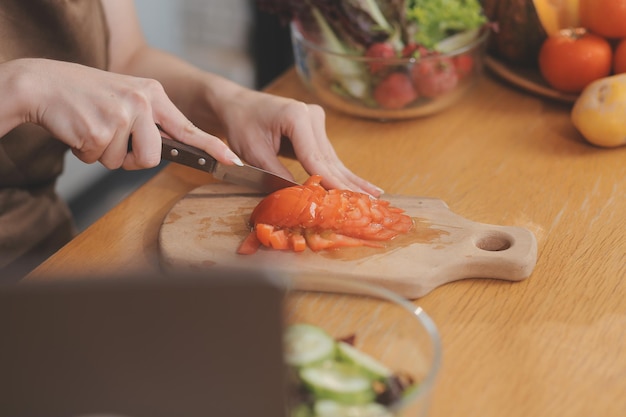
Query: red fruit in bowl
[464, 64]
[434, 76]
[395, 91]
[414, 50]
[379, 50]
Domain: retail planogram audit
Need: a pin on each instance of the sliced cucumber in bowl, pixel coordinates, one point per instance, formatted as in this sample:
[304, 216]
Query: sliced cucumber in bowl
[330, 408]
[307, 345]
[372, 367]
[338, 381]
[333, 378]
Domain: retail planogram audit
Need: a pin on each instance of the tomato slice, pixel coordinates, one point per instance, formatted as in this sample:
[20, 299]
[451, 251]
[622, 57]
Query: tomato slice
[309, 215]
[316, 242]
[263, 233]
[249, 245]
[298, 242]
[340, 240]
[279, 240]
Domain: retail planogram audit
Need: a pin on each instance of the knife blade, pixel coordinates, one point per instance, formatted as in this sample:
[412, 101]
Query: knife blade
[246, 175]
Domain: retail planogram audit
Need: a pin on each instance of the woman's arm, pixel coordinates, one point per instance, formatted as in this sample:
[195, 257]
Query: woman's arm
[190, 88]
[12, 111]
[95, 112]
[252, 122]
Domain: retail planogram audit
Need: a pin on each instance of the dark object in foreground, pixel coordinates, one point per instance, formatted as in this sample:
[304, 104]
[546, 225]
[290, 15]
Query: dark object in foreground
[143, 346]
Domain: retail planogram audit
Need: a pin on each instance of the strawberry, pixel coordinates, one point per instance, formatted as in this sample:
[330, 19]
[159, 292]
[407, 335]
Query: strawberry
[434, 76]
[379, 50]
[395, 91]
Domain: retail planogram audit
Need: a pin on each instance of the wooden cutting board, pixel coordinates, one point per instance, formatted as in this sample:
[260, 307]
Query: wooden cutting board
[206, 227]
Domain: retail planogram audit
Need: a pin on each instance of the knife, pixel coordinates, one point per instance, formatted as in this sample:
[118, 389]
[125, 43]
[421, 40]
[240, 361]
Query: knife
[247, 175]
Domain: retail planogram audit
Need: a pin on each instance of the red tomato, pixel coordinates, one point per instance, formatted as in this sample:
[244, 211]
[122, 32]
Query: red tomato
[573, 58]
[309, 215]
[249, 245]
[464, 64]
[263, 233]
[395, 91]
[434, 76]
[298, 243]
[286, 207]
[279, 239]
[379, 51]
[606, 18]
[414, 50]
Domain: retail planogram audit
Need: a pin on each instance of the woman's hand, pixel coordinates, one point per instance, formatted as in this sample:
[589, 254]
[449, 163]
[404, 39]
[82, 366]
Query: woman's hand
[256, 122]
[96, 112]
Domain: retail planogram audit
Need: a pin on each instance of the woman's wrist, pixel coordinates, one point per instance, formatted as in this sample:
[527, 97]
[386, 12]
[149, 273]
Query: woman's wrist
[19, 89]
[218, 95]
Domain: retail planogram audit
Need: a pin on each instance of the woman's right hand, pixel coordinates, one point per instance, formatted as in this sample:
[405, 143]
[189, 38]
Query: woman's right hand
[95, 112]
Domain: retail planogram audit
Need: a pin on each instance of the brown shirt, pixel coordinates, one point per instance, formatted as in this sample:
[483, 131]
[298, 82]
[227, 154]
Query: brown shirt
[34, 222]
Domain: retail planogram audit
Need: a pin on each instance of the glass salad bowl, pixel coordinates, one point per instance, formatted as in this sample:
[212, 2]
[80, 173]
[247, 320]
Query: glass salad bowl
[388, 86]
[355, 349]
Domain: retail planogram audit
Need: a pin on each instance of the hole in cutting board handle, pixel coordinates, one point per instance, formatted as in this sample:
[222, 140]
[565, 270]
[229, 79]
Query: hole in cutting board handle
[494, 242]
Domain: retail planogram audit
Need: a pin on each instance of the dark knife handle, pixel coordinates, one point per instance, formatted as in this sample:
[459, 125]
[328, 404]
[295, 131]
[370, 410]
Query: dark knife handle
[187, 155]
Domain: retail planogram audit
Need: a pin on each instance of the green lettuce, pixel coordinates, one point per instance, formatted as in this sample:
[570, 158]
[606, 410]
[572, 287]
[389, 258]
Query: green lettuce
[435, 20]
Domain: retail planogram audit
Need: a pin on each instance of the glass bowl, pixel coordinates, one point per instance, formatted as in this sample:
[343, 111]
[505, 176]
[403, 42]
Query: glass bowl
[379, 323]
[388, 88]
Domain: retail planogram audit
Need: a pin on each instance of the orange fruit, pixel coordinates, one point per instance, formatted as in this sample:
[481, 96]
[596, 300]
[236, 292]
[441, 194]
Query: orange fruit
[604, 17]
[619, 57]
[573, 58]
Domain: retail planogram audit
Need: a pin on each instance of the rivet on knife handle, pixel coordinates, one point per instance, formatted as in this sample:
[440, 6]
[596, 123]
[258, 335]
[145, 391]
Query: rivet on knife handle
[187, 155]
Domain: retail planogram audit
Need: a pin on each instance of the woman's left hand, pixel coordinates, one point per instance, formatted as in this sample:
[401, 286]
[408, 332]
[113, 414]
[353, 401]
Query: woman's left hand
[256, 122]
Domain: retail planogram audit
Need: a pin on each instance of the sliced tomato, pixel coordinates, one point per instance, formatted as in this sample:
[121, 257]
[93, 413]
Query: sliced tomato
[287, 207]
[340, 240]
[403, 225]
[279, 240]
[249, 245]
[298, 242]
[357, 222]
[316, 242]
[277, 208]
[309, 215]
[263, 233]
[313, 180]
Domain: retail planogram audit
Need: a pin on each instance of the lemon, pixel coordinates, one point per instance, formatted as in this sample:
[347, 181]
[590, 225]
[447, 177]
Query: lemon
[599, 113]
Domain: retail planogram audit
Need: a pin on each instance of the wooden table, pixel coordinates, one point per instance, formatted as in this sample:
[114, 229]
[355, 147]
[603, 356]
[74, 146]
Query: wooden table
[552, 345]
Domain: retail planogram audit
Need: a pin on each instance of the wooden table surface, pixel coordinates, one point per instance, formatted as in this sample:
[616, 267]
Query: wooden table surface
[551, 345]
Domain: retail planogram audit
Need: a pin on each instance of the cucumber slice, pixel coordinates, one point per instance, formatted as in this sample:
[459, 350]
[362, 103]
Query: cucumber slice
[307, 345]
[372, 367]
[329, 408]
[338, 381]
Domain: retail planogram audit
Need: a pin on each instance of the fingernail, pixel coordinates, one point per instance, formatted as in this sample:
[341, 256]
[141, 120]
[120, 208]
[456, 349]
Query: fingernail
[235, 160]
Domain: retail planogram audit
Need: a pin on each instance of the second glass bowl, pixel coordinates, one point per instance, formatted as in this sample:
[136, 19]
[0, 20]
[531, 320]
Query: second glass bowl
[387, 88]
[383, 325]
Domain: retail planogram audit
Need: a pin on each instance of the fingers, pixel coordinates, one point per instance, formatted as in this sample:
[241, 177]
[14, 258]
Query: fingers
[95, 112]
[178, 127]
[157, 115]
[114, 154]
[98, 122]
[317, 155]
[265, 157]
[146, 145]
